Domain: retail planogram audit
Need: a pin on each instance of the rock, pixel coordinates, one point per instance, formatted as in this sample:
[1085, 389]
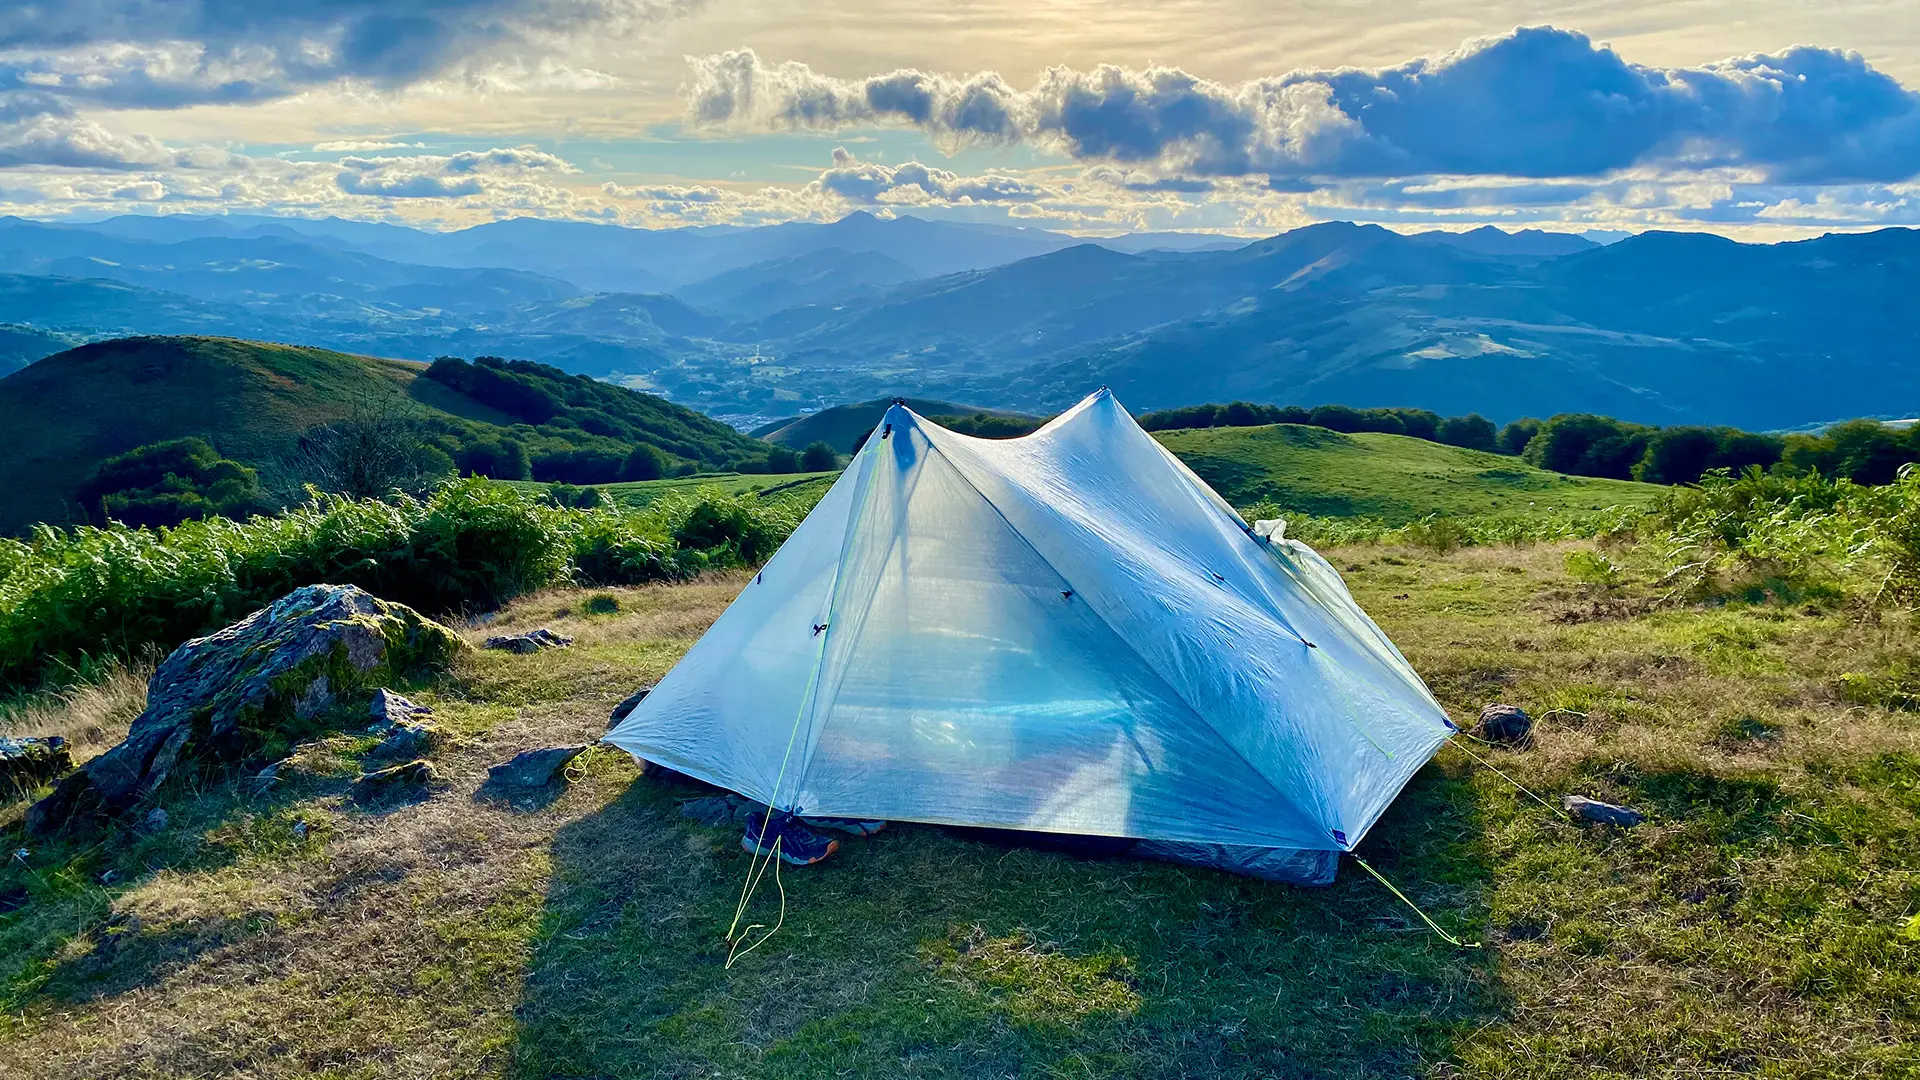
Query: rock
[533, 768]
[408, 740]
[1505, 724]
[220, 699]
[155, 821]
[530, 642]
[621, 710]
[390, 709]
[1596, 812]
[412, 773]
[300, 829]
[26, 763]
[718, 811]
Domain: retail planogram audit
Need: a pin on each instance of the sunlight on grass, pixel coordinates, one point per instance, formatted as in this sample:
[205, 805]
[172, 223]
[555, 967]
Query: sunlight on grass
[1035, 983]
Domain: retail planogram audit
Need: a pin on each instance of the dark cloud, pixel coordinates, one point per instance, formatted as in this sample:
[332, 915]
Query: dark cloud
[1538, 103]
[168, 53]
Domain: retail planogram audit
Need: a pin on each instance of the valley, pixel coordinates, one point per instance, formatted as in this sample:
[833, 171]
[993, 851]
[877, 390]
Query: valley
[751, 325]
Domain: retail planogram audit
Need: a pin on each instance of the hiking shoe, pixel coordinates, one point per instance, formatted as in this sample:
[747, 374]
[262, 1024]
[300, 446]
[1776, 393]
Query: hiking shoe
[785, 837]
[850, 826]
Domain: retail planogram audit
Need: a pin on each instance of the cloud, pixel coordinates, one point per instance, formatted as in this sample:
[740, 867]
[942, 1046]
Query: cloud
[78, 143]
[429, 176]
[1538, 102]
[349, 146]
[170, 53]
[915, 184]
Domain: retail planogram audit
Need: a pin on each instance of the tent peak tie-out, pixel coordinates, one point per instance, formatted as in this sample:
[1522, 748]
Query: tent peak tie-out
[1066, 632]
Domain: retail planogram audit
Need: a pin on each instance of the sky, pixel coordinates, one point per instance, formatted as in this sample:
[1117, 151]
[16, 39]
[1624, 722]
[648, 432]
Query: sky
[1760, 119]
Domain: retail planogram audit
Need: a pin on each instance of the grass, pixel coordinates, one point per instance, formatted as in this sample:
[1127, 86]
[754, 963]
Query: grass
[644, 492]
[1393, 478]
[1762, 922]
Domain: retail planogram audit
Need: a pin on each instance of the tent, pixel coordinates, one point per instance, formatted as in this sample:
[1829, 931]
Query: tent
[1067, 632]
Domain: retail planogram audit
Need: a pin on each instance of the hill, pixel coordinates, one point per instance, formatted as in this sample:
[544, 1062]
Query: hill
[251, 401]
[843, 425]
[1391, 477]
[22, 345]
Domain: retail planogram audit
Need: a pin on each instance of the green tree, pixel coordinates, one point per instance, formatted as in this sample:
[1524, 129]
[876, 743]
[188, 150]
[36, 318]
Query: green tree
[1473, 431]
[781, 459]
[818, 457]
[1678, 455]
[1516, 435]
[643, 463]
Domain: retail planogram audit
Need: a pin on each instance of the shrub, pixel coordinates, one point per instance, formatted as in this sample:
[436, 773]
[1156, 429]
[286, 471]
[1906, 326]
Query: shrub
[819, 457]
[68, 594]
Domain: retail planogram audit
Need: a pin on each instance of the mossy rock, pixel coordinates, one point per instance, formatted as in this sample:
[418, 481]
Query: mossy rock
[304, 665]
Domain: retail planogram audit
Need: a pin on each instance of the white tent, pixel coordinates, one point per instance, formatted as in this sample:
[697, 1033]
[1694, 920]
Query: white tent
[1067, 632]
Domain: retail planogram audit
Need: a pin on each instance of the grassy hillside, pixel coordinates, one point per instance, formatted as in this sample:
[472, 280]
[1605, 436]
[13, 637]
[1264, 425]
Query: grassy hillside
[643, 492]
[1391, 477]
[251, 401]
[1760, 923]
[843, 425]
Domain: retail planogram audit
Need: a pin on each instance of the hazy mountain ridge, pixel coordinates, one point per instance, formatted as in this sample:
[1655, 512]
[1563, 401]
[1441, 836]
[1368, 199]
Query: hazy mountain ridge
[1661, 327]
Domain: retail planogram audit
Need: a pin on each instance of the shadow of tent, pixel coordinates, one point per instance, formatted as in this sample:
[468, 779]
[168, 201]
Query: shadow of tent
[917, 952]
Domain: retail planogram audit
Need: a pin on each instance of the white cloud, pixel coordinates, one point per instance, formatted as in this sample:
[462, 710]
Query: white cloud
[1537, 102]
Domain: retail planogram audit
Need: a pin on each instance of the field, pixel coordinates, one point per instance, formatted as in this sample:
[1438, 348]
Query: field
[1390, 477]
[643, 492]
[1763, 922]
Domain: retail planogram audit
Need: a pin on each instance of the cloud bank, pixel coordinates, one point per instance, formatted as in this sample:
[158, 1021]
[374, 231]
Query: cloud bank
[1538, 102]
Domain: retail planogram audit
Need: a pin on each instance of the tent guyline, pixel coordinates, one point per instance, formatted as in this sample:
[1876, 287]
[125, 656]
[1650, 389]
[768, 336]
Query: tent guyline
[1066, 632]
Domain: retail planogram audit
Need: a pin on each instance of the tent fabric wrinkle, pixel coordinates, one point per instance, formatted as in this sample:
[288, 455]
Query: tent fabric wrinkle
[1064, 632]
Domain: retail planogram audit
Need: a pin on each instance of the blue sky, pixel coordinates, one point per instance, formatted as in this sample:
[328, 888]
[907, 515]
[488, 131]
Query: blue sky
[1758, 119]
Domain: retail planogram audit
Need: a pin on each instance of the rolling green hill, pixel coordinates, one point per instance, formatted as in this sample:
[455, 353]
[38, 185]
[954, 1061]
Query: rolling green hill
[1394, 478]
[1391, 477]
[843, 425]
[252, 400]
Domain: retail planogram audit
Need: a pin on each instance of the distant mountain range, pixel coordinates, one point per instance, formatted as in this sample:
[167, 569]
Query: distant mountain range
[753, 324]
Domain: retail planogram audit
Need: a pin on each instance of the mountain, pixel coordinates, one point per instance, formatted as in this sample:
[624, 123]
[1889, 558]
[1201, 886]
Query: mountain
[1661, 328]
[235, 269]
[1527, 243]
[827, 277]
[251, 401]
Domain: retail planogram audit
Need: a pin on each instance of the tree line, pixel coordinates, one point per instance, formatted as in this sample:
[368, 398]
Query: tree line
[1586, 444]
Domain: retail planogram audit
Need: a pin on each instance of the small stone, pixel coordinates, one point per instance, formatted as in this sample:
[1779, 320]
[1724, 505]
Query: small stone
[413, 772]
[300, 829]
[622, 710]
[1596, 812]
[409, 740]
[28, 762]
[389, 709]
[155, 821]
[530, 642]
[533, 768]
[717, 811]
[1508, 725]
